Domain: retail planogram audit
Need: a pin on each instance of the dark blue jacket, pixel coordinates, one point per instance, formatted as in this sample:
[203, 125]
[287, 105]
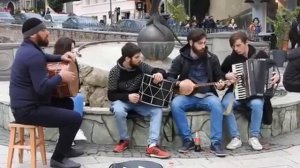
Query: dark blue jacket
[29, 81]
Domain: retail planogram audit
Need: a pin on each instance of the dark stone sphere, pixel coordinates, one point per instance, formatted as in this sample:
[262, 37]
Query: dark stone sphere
[156, 44]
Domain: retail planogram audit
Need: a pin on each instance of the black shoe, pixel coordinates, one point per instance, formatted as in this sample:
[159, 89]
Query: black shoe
[186, 146]
[74, 153]
[217, 149]
[65, 163]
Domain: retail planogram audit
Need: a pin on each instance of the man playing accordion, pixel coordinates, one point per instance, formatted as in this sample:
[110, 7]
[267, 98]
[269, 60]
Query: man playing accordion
[243, 51]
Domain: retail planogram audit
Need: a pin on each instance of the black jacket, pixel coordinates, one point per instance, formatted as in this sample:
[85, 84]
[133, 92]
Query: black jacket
[181, 66]
[291, 76]
[235, 58]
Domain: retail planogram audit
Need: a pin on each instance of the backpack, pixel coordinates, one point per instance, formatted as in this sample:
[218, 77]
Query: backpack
[136, 164]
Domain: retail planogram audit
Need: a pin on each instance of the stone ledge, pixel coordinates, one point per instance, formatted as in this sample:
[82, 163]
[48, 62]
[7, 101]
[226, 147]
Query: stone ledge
[99, 123]
[286, 118]
[291, 98]
[105, 111]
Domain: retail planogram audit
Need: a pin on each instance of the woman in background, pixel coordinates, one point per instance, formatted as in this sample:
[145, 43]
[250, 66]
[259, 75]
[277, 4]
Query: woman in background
[63, 45]
[254, 29]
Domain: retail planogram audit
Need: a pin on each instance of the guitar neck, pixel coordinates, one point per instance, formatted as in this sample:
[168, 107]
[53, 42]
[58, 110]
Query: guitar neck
[206, 84]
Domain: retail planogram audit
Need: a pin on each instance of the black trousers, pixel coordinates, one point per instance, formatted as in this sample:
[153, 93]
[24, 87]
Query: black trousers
[54, 115]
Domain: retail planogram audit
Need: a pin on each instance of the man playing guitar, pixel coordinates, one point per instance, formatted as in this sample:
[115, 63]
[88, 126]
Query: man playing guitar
[200, 66]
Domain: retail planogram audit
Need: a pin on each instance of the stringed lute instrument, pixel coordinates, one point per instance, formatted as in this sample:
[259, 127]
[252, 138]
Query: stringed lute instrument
[186, 87]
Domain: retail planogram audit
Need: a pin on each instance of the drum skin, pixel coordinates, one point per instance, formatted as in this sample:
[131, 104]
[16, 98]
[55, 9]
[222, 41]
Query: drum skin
[158, 95]
[186, 87]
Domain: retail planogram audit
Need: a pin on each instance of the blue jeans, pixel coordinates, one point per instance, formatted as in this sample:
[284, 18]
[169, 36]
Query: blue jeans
[78, 103]
[121, 109]
[256, 106]
[180, 104]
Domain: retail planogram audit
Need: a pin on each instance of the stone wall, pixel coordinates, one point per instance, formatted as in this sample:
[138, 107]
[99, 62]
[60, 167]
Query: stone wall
[99, 124]
[14, 33]
[94, 85]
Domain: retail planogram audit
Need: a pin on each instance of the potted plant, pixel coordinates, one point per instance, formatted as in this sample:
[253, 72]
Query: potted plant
[282, 24]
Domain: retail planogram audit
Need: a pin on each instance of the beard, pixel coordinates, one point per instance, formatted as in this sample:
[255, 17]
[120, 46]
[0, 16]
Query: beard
[132, 65]
[198, 52]
[42, 42]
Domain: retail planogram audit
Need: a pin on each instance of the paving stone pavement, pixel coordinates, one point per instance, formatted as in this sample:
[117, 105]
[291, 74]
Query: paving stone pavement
[281, 152]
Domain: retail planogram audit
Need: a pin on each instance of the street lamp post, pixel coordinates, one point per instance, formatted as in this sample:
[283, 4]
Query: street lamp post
[190, 8]
[110, 11]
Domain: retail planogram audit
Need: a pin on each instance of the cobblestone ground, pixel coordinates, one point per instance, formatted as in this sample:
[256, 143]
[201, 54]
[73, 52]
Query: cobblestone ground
[276, 143]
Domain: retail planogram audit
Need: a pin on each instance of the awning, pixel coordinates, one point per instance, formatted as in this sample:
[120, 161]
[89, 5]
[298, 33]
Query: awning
[65, 1]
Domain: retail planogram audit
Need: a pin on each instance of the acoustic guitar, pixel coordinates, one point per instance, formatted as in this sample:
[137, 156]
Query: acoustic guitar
[186, 87]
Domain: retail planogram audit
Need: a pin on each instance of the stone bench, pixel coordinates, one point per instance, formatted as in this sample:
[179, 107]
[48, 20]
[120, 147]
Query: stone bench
[99, 124]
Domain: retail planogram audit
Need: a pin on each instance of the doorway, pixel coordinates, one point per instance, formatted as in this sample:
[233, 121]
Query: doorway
[11, 8]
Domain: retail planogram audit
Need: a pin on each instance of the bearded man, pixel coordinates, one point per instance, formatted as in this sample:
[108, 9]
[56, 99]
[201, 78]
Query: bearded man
[200, 66]
[31, 90]
[124, 82]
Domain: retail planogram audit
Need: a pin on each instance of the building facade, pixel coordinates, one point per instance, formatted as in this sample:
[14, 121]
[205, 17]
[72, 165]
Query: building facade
[118, 9]
[18, 5]
[9, 5]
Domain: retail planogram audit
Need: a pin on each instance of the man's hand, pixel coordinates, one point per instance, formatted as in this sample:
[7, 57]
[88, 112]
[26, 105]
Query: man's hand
[68, 56]
[157, 77]
[231, 77]
[220, 85]
[66, 75]
[134, 97]
[275, 78]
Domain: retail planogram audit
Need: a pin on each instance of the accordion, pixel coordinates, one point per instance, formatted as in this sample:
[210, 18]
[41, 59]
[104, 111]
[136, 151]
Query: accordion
[253, 79]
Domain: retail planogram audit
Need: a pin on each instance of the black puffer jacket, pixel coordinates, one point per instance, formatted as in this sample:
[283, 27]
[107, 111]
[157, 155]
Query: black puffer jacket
[180, 67]
[291, 76]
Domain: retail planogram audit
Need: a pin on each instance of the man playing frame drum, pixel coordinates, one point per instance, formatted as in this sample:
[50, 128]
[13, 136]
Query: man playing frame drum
[123, 90]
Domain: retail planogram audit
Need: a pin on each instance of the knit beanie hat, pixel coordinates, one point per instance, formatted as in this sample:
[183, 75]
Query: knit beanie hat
[32, 26]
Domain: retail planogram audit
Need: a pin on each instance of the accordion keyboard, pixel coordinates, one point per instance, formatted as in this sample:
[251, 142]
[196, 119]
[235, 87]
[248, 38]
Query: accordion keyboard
[239, 88]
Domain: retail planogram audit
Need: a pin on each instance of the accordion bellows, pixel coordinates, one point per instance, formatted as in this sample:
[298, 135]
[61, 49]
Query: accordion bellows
[253, 78]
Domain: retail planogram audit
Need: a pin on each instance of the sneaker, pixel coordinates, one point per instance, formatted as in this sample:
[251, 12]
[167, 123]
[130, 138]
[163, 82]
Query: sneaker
[65, 163]
[156, 152]
[217, 149]
[187, 146]
[234, 143]
[121, 146]
[255, 144]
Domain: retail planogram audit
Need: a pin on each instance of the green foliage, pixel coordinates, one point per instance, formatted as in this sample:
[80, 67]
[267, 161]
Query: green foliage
[282, 24]
[198, 8]
[56, 5]
[177, 11]
[34, 10]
